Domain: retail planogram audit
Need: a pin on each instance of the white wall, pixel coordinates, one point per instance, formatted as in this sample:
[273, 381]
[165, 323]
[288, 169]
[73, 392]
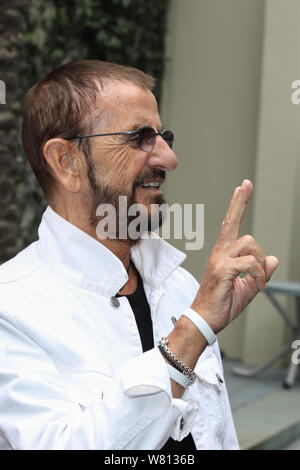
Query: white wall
[227, 98]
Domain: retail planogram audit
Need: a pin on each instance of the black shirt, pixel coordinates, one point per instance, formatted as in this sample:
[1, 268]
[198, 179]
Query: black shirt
[139, 304]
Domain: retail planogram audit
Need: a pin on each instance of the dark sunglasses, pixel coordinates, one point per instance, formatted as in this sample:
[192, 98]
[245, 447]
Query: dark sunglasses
[145, 137]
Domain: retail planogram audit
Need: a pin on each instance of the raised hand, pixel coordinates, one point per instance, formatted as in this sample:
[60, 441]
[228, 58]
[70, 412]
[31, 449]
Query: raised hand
[223, 294]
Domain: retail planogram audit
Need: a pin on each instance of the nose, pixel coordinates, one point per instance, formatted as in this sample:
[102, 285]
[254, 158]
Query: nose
[162, 156]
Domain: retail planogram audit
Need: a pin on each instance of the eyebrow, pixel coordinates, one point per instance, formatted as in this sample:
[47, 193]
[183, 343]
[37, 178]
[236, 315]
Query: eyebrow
[136, 126]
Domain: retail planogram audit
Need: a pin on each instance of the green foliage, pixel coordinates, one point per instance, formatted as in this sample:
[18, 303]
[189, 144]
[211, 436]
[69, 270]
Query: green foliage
[127, 32]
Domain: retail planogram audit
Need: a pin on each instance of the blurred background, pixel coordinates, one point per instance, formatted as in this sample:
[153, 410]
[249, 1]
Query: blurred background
[224, 71]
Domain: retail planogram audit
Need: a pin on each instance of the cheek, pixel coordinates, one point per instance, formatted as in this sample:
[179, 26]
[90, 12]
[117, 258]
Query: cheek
[122, 165]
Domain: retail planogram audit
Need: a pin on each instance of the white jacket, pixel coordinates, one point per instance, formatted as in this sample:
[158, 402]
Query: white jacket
[72, 371]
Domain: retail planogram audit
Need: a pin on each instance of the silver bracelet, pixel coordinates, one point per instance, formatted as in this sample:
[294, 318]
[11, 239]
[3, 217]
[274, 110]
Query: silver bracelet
[175, 361]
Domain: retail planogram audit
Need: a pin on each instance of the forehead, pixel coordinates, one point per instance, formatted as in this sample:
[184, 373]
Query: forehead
[128, 105]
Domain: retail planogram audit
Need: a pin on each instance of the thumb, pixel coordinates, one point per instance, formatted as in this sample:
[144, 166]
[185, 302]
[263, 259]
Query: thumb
[271, 264]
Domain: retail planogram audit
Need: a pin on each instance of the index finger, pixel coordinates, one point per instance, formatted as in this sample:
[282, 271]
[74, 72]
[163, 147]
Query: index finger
[232, 223]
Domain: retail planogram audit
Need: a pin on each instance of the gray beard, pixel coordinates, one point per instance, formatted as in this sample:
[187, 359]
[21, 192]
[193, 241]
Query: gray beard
[102, 194]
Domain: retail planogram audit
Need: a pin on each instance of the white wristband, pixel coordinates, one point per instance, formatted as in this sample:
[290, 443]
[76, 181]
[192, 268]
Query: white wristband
[177, 376]
[201, 325]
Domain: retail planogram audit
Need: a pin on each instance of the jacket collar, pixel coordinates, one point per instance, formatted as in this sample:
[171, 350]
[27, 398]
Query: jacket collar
[82, 260]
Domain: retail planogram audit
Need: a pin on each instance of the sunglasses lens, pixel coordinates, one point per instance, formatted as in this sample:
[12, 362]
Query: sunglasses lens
[168, 136]
[147, 138]
[147, 135]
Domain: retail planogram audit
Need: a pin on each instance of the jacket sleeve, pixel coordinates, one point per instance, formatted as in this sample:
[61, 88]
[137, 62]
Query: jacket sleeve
[36, 411]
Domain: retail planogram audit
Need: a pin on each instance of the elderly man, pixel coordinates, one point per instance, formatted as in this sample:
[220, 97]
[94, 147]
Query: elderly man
[107, 343]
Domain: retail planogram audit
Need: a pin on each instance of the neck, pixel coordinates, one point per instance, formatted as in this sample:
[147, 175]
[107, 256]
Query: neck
[121, 249]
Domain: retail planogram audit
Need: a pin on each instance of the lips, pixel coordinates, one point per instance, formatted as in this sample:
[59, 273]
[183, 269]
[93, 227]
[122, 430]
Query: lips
[150, 180]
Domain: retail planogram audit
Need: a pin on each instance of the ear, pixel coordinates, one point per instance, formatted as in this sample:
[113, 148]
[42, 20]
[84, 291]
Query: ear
[64, 163]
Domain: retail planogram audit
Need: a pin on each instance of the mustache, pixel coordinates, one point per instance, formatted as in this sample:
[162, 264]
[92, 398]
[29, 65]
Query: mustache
[149, 176]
